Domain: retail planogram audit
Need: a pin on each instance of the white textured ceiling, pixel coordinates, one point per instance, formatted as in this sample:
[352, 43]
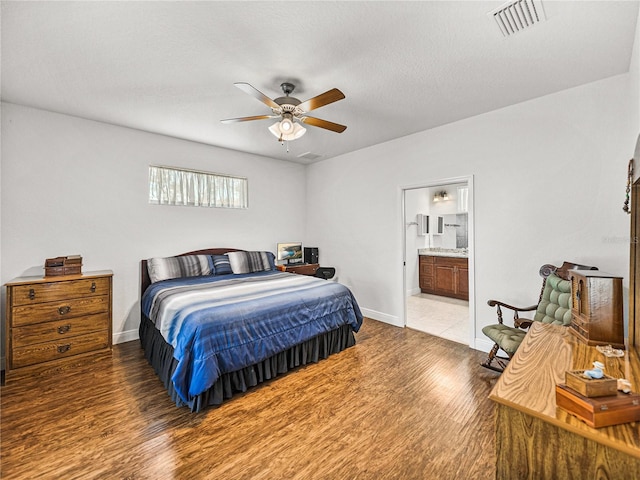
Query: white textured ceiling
[169, 67]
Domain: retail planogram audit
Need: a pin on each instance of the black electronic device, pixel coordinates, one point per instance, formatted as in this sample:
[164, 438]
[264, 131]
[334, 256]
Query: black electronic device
[310, 254]
[325, 272]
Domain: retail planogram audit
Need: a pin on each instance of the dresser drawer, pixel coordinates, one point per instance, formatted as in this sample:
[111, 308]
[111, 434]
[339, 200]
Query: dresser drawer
[63, 309]
[51, 291]
[452, 261]
[58, 330]
[44, 352]
[580, 330]
[580, 321]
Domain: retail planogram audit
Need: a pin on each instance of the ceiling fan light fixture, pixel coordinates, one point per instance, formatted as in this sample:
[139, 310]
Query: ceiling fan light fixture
[286, 125]
[296, 131]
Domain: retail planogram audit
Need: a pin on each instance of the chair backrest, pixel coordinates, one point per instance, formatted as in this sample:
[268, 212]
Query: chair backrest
[554, 305]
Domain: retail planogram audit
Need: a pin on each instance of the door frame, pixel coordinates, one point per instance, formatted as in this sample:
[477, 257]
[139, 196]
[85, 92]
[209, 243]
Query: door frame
[468, 179]
[634, 268]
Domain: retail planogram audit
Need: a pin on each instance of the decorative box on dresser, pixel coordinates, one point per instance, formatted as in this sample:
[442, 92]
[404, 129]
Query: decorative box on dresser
[596, 309]
[51, 322]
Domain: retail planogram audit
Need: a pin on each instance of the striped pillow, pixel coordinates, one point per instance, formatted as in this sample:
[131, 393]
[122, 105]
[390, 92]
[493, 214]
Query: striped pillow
[221, 265]
[178, 267]
[249, 262]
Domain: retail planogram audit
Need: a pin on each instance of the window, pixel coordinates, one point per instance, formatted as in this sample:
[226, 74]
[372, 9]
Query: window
[175, 186]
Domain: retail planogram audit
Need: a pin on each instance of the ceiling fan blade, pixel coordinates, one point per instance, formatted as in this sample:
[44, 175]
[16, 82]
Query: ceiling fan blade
[246, 88]
[321, 100]
[246, 119]
[318, 122]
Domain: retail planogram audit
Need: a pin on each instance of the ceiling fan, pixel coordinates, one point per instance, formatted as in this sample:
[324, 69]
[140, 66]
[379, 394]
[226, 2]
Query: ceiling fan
[289, 109]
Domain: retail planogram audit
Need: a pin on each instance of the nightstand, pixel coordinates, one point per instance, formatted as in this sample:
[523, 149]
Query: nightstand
[304, 269]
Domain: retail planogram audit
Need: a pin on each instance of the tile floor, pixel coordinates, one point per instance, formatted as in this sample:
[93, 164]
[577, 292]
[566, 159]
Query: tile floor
[440, 316]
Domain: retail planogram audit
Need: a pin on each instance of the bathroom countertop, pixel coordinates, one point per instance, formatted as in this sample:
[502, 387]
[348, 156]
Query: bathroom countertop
[445, 252]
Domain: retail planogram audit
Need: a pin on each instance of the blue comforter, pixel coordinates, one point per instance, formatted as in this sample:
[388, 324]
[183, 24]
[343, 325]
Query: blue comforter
[222, 324]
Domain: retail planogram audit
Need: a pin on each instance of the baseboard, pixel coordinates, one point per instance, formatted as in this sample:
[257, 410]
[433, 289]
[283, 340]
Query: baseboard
[127, 336]
[413, 291]
[382, 317]
[483, 344]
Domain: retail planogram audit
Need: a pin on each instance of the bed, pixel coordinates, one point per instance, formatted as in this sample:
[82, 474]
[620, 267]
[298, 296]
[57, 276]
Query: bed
[216, 322]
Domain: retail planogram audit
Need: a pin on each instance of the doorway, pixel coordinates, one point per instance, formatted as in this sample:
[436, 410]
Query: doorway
[438, 259]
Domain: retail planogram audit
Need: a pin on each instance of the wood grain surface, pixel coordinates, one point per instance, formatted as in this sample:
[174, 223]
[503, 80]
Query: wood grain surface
[545, 441]
[400, 404]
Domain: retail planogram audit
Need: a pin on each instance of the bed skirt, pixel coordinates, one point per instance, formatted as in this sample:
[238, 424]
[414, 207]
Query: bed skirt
[160, 355]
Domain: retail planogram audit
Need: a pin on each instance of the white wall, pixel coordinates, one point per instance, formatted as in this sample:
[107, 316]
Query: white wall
[73, 186]
[549, 185]
[416, 201]
[549, 177]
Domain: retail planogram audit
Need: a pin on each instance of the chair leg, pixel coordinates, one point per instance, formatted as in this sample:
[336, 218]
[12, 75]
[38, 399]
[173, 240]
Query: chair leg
[500, 361]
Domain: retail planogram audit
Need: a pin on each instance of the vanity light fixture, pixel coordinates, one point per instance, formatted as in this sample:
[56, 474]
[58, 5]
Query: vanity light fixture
[440, 196]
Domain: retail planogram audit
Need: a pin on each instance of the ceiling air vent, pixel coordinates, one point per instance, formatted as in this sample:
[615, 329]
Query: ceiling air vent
[309, 156]
[518, 15]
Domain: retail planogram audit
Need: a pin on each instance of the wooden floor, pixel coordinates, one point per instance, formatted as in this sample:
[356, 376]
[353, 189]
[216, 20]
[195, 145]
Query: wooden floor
[401, 404]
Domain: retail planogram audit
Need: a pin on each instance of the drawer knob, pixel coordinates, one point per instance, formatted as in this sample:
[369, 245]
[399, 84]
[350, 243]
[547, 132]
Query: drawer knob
[64, 348]
[32, 294]
[93, 287]
[64, 310]
[64, 329]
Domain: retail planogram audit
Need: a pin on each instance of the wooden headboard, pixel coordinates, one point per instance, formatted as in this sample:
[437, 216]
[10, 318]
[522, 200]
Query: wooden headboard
[145, 281]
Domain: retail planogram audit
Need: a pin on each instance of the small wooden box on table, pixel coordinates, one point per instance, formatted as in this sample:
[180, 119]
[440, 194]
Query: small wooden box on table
[591, 387]
[53, 321]
[601, 411]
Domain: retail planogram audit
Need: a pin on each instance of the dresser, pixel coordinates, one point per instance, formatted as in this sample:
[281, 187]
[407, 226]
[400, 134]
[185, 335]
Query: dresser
[52, 322]
[303, 269]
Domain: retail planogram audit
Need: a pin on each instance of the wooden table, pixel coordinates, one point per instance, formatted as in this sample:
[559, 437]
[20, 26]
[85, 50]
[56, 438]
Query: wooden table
[536, 440]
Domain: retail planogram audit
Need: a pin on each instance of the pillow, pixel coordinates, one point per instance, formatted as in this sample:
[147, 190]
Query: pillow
[249, 262]
[178, 267]
[221, 265]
